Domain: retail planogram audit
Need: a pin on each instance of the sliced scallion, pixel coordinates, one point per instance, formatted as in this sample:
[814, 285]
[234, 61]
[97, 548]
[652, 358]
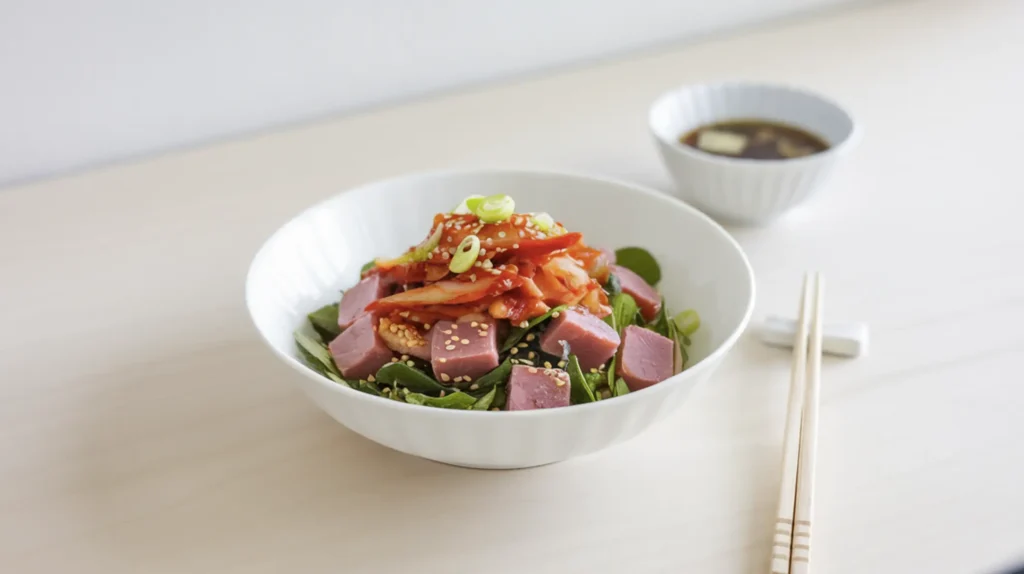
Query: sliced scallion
[687, 322]
[465, 256]
[543, 221]
[464, 208]
[494, 208]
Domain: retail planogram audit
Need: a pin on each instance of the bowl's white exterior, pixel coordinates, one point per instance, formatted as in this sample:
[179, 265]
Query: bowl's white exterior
[306, 262]
[745, 190]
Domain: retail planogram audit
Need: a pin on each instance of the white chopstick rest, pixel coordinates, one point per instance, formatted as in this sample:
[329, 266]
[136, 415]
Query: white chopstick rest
[842, 339]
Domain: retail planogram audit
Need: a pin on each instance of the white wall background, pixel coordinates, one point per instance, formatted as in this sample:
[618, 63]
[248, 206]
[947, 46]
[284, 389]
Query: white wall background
[85, 82]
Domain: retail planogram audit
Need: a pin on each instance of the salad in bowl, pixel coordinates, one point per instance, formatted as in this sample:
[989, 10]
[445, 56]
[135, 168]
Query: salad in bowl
[497, 310]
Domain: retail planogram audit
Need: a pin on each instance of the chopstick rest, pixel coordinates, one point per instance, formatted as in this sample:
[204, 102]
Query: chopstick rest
[841, 339]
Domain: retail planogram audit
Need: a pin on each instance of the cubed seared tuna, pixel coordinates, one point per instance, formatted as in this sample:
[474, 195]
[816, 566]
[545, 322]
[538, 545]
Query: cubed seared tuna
[536, 388]
[647, 297]
[645, 358]
[463, 351]
[592, 340]
[358, 351]
[354, 301]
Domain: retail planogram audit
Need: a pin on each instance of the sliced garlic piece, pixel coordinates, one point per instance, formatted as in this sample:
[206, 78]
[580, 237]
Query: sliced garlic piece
[714, 141]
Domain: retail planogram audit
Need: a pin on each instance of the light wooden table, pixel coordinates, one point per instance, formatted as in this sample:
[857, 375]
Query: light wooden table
[143, 427]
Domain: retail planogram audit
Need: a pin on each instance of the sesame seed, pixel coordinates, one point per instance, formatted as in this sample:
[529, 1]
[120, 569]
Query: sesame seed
[445, 255]
[485, 326]
[513, 350]
[522, 345]
[477, 264]
[445, 377]
[559, 383]
[465, 341]
[515, 246]
[410, 363]
[521, 234]
[450, 347]
[472, 277]
[447, 332]
[458, 379]
[532, 370]
[525, 362]
[488, 241]
[371, 378]
[474, 324]
[455, 325]
[474, 387]
[555, 315]
[593, 370]
[561, 363]
[441, 394]
[405, 357]
[451, 251]
[443, 360]
[524, 324]
[531, 355]
[530, 337]
[495, 409]
[393, 328]
[426, 326]
[487, 263]
[404, 314]
[482, 333]
[386, 391]
[501, 234]
[547, 365]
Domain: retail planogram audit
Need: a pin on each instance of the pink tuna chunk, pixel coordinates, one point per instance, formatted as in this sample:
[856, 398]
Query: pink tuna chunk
[354, 301]
[645, 358]
[534, 388]
[466, 349]
[358, 351]
[647, 297]
[592, 340]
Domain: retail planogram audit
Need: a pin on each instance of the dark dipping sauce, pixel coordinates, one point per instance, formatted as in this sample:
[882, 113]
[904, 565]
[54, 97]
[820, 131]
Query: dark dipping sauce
[754, 139]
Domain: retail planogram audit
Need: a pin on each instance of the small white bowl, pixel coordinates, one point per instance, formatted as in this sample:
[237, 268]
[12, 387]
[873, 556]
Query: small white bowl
[748, 190]
[305, 264]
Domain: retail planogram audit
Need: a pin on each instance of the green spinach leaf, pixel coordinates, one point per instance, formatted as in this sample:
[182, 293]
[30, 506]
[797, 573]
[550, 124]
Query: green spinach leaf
[325, 322]
[620, 388]
[624, 311]
[612, 287]
[519, 332]
[579, 391]
[499, 375]
[639, 261]
[395, 374]
[455, 400]
[317, 356]
[368, 388]
[499, 397]
[485, 402]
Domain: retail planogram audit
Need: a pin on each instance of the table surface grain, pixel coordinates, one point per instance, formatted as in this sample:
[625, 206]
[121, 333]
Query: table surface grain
[144, 428]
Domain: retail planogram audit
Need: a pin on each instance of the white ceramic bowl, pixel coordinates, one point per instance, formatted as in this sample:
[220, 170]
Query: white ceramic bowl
[305, 263]
[747, 190]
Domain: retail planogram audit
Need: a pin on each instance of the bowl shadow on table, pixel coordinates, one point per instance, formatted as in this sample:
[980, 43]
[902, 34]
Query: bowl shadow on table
[214, 453]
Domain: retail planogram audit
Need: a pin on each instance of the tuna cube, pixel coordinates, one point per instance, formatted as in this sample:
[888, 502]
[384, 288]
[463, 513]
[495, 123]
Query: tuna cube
[534, 388]
[647, 297]
[465, 350]
[645, 358]
[592, 340]
[358, 351]
[354, 301]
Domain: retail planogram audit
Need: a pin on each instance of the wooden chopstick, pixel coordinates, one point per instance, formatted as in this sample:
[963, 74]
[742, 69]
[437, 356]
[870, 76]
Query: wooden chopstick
[801, 552]
[782, 540]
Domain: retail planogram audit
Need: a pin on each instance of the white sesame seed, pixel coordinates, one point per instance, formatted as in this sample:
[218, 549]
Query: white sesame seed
[522, 345]
[451, 251]
[482, 333]
[410, 363]
[501, 234]
[485, 326]
[474, 324]
[441, 394]
[521, 234]
[593, 370]
[531, 355]
[547, 365]
[474, 387]
[447, 332]
[559, 383]
[458, 379]
[450, 347]
[513, 350]
[426, 326]
[405, 357]
[477, 264]
[515, 246]
[561, 363]
[472, 277]
[524, 324]
[394, 360]
[530, 337]
[455, 325]
[445, 377]
[555, 315]
[532, 370]
[465, 341]
[445, 255]
[371, 378]
[525, 362]
[443, 360]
